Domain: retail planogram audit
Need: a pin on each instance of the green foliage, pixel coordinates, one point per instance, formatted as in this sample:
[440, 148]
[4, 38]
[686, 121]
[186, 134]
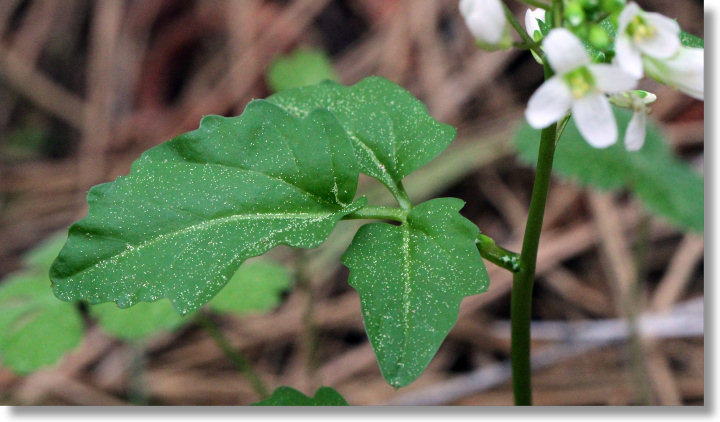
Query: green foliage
[139, 322]
[302, 67]
[42, 256]
[255, 287]
[689, 40]
[666, 185]
[194, 208]
[411, 279]
[391, 130]
[285, 172]
[36, 329]
[286, 396]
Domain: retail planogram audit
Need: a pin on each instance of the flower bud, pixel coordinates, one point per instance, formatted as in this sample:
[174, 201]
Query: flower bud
[486, 21]
[574, 13]
[612, 6]
[636, 100]
[598, 37]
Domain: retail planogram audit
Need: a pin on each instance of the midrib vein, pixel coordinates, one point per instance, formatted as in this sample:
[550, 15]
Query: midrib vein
[406, 293]
[202, 225]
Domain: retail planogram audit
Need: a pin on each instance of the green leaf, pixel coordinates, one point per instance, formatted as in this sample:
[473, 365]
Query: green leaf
[689, 40]
[391, 130]
[286, 396]
[666, 185]
[194, 208]
[36, 329]
[139, 322]
[302, 67]
[255, 287]
[411, 279]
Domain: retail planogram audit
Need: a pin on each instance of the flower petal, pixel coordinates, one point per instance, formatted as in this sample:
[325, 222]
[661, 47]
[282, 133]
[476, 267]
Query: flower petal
[628, 57]
[466, 7]
[595, 120]
[564, 51]
[684, 71]
[666, 39]
[531, 21]
[611, 79]
[635, 133]
[485, 28]
[549, 103]
[662, 22]
[627, 14]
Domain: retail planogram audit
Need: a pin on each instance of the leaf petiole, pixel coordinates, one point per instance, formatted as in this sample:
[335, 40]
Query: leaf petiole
[402, 198]
[378, 213]
[497, 255]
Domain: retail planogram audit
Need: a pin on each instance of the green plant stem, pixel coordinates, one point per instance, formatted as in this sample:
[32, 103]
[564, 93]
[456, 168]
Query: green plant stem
[497, 255]
[378, 213]
[309, 340]
[557, 13]
[521, 296]
[531, 44]
[235, 357]
[521, 45]
[403, 198]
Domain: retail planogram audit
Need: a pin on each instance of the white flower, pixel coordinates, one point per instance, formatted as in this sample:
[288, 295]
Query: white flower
[643, 33]
[486, 21]
[684, 71]
[531, 22]
[638, 101]
[577, 85]
[533, 27]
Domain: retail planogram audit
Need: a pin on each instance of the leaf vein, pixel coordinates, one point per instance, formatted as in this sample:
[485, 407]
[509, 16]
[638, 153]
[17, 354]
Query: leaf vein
[201, 225]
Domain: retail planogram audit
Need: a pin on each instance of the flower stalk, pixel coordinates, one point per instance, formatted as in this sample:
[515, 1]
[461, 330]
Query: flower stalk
[521, 295]
[522, 288]
[527, 39]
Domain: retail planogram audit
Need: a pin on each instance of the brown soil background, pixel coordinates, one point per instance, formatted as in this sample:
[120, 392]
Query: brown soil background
[105, 80]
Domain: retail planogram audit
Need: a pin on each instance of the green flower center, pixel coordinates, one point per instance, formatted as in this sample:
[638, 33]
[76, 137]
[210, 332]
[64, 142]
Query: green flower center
[639, 29]
[580, 81]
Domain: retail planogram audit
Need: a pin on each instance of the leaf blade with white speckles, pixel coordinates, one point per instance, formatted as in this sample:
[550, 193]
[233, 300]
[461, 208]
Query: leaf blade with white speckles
[411, 279]
[392, 131]
[192, 209]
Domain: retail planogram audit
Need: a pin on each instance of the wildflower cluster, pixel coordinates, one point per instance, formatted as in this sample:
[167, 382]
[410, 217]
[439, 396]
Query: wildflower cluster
[598, 55]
